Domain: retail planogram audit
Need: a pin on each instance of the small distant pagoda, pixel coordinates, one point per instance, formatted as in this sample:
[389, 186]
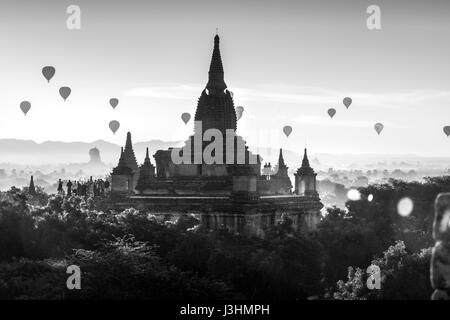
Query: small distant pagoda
[146, 174]
[31, 188]
[280, 181]
[94, 157]
[123, 176]
[305, 178]
[128, 153]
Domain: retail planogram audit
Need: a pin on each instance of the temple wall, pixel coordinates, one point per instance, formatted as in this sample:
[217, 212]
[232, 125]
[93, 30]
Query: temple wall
[217, 170]
[244, 183]
[192, 170]
[255, 225]
[303, 184]
[121, 183]
[259, 223]
[311, 219]
[300, 185]
[159, 191]
[256, 168]
[134, 180]
[185, 170]
[248, 217]
[273, 186]
[185, 186]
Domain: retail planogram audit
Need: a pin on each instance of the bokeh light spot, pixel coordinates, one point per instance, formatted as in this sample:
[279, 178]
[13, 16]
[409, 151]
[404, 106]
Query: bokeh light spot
[353, 195]
[405, 206]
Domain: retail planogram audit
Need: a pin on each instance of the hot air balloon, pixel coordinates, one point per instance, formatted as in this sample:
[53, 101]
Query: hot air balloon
[378, 127]
[114, 125]
[48, 72]
[347, 102]
[185, 117]
[447, 130]
[114, 102]
[25, 106]
[65, 92]
[239, 111]
[331, 112]
[287, 130]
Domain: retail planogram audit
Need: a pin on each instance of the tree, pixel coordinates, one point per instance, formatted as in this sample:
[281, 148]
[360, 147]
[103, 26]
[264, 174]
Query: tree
[404, 276]
[346, 241]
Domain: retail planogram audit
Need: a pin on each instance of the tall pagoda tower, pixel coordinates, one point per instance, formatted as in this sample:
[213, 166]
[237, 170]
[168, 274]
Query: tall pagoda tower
[215, 110]
[215, 107]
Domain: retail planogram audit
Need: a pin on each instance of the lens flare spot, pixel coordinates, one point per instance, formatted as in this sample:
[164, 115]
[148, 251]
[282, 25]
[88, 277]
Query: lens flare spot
[353, 195]
[405, 206]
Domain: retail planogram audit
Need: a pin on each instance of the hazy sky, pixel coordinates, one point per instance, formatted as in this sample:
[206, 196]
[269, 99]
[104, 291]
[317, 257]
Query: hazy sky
[287, 62]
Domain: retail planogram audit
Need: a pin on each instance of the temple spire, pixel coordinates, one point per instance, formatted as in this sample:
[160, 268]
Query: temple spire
[215, 107]
[305, 179]
[122, 158]
[216, 82]
[129, 157]
[281, 163]
[122, 161]
[31, 188]
[305, 169]
[305, 162]
[122, 166]
[128, 143]
[147, 158]
[146, 174]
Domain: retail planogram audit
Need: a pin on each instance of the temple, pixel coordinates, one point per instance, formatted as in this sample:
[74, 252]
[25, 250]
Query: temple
[215, 175]
[31, 187]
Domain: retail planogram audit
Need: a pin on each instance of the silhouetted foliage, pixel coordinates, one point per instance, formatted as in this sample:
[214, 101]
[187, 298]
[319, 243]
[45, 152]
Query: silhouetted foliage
[354, 236]
[403, 276]
[135, 254]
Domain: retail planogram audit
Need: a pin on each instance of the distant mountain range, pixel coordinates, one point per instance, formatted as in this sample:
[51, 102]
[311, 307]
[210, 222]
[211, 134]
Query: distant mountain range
[28, 152]
[52, 152]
